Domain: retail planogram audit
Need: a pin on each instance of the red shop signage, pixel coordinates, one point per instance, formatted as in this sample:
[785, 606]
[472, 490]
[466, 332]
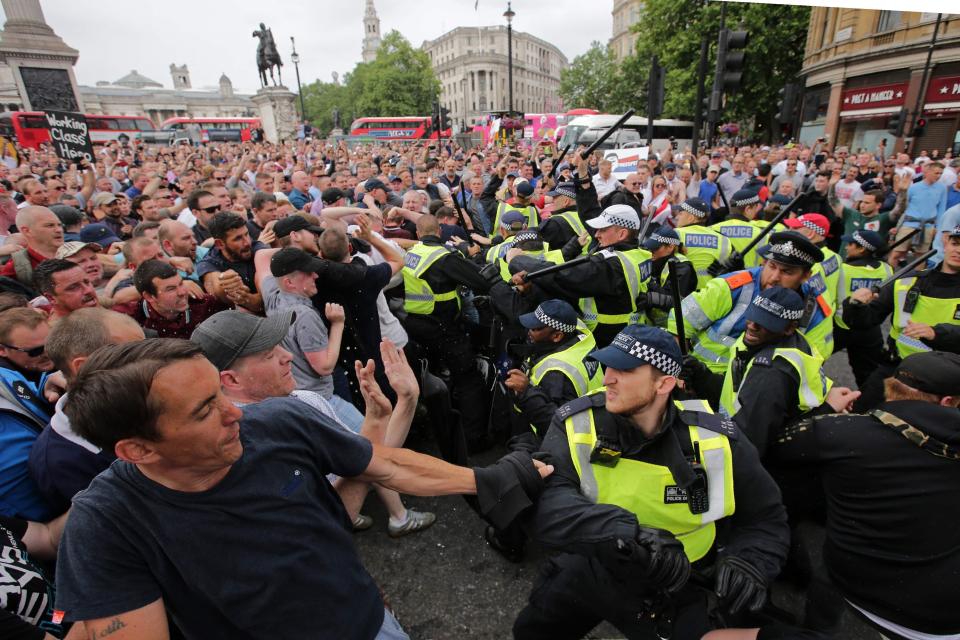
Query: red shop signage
[944, 89]
[885, 95]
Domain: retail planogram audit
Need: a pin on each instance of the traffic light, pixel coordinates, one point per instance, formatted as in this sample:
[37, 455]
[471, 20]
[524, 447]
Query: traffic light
[435, 116]
[787, 102]
[444, 118]
[655, 90]
[897, 121]
[919, 126]
[732, 44]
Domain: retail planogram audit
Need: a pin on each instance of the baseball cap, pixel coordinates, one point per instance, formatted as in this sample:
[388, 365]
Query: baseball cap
[291, 259]
[393, 178]
[620, 215]
[955, 233]
[331, 195]
[791, 248]
[663, 235]
[696, 207]
[74, 247]
[513, 174]
[564, 189]
[68, 215]
[231, 334]
[638, 345]
[524, 189]
[99, 233]
[713, 169]
[670, 167]
[814, 221]
[775, 308]
[869, 240]
[374, 183]
[745, 197]
[555, 314]
[102, 198]
[513, 220]
[285, 226]
[936, 372]
[527, 235]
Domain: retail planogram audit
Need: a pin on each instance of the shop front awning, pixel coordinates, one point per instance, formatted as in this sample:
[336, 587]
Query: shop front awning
[934, 108]
[868, 114]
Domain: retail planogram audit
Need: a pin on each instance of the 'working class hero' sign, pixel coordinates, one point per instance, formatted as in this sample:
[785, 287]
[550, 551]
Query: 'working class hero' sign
[69, 135]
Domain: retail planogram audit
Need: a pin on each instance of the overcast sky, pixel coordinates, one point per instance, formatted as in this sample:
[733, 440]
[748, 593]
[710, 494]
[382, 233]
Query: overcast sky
[214, 37]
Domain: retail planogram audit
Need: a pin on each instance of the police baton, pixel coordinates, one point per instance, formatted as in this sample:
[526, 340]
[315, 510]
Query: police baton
[899, 242]
[646, 227]
[902, 271]
[463, 220]
[563, 266]
[677, 310]
[553, 170]
[606, 134]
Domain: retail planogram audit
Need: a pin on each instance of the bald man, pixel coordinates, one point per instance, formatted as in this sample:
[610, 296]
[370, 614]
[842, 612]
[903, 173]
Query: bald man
[300, 194]
[44, 234]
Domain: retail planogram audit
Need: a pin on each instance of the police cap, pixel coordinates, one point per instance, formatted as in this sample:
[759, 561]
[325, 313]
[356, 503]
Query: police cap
[791, 248]
[637, 345]
[775, 308]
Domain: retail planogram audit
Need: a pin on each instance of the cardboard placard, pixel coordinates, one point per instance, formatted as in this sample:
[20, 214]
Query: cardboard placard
[69, 135]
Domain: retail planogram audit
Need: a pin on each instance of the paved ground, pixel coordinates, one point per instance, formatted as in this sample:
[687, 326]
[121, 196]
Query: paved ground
[446, 583]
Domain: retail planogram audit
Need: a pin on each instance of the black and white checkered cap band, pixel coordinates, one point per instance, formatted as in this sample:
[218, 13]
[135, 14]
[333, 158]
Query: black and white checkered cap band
[662, 240]
[814, 227]
[787, 249]
[693, 210]
[863, 243]
[955, 232]
[776, 309]
[617, 221]
[526, 236]
[754, 199]
[553, 323]
[564, 192]
[658, 359]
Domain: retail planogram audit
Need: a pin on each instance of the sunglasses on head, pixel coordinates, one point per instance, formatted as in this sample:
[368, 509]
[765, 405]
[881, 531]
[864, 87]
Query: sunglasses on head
[214, 209]
[32, 352]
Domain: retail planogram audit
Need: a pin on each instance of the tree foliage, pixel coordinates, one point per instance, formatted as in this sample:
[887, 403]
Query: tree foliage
[591, 80]
[399, 82]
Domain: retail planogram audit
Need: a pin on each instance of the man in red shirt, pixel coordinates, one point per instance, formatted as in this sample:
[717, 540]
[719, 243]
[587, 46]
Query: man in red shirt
[44, 233]
[167, 307]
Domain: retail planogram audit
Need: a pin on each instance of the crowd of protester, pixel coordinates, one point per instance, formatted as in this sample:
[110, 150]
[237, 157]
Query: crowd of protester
[285, 265]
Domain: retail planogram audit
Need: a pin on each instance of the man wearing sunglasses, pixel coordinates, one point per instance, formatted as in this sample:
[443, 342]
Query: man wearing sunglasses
[203, 205]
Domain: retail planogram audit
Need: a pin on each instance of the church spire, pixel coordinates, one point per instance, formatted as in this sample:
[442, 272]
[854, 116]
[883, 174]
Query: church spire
[371, 32]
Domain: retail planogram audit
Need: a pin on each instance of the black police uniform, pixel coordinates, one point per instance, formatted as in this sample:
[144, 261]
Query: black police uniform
[891, 539]
[588, 582]
[556, 231]
[932, 283]
[442, 338]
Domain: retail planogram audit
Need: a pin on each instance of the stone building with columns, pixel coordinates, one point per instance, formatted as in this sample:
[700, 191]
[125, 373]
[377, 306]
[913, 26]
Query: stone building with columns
[625, 13]
[862, 66]
[471, 65]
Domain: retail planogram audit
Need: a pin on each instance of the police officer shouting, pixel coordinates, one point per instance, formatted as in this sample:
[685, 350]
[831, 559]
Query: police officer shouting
[926, 315]
[641, 484]
[714, 317]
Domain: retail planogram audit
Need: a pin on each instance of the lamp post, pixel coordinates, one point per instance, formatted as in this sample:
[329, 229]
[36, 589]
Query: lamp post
[295, 57]
[508, 14]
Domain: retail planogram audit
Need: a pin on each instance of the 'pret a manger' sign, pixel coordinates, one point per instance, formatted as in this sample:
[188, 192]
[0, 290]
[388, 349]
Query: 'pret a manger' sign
[944, 89]
[887, 95]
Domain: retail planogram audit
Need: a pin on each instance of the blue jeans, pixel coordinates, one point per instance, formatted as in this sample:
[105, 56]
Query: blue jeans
[391, 629]
[347, 413]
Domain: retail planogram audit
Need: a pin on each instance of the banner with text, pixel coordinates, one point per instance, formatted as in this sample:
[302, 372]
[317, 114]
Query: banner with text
[69, 135]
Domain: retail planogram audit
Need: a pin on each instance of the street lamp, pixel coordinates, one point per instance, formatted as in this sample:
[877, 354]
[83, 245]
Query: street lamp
[508, 14]
[295, 58]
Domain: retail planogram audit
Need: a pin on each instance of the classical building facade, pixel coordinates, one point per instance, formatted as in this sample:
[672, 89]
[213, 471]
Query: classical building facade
[626, 13]
[471, 65]
[371, 32]
[863, 66]
[135, 94]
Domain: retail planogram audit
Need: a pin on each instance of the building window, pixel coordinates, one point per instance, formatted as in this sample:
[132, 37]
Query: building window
[888, 20]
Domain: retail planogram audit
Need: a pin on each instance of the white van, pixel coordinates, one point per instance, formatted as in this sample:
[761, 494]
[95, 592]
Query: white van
[584, 130]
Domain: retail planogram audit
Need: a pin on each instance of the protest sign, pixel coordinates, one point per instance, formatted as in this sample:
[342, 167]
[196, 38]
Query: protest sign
[69, 135]
[625, 160]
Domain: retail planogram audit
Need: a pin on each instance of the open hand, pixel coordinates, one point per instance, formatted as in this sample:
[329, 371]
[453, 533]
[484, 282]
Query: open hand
[378, 406]
[398, 370]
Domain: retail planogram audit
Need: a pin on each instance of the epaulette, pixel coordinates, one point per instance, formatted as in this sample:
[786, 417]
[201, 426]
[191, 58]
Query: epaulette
[738, 279]
[718, 424]
[582, 403]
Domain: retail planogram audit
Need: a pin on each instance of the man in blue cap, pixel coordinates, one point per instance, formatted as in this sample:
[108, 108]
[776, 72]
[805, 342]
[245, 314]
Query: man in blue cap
[667, 254]
[862, 267]
[774, 376]
[640, 483]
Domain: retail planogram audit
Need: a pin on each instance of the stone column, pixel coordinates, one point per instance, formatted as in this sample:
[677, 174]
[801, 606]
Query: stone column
[832, 124]
[278, 112]
[25, 15]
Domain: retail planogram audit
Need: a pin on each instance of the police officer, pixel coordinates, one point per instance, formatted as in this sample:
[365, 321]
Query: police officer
[642, 485]
[512, 223]
[714, 317]
[431, 274]
[530, 243]
[774, 375]
[815, 228]
[891, 540]
[523, 192]
[609, 284]
[564, 222]
[742, 225]
[703, 245]
[666, 256]
[926, 315]
[861, 268]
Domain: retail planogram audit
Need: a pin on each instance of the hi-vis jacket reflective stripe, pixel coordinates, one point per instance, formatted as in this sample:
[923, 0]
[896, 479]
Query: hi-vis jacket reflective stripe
[572, 218]
[811, 393]
[852, 277]
[636, 270]
[530, 212]
[928, 310]
[570, 362]
[642, 488]
[418, 296]
[703, 246]
[714, 316]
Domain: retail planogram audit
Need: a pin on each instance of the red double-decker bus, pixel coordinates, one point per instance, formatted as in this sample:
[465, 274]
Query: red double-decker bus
[30, 130]
[396, 128]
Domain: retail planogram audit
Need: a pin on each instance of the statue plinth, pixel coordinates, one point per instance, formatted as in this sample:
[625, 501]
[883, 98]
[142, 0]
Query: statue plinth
[278, 113]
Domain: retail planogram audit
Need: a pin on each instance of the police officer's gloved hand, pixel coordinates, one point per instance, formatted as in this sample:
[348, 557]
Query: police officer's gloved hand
[693, 370]
[659, 300]
[668, 567]
[507, 488]
[739, 584]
